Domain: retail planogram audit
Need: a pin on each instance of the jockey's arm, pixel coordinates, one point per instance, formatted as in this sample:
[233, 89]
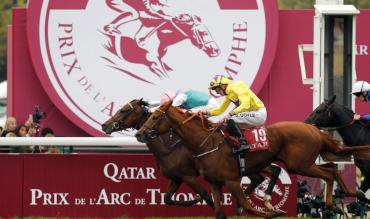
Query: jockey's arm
[365, 117]
[362, 117]
[179, 99]
[244, 103]
[219, 110]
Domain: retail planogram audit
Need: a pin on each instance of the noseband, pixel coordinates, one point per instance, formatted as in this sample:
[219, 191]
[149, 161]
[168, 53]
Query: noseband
[152, 132]
[328, 110]
[119, 125]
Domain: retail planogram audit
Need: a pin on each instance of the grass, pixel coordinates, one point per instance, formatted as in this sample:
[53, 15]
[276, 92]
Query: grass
[124, 217]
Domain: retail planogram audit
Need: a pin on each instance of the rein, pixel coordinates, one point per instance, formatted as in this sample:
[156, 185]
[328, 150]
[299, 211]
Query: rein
[336, 127]
[171, 147]
[173, 129]
[212, 130]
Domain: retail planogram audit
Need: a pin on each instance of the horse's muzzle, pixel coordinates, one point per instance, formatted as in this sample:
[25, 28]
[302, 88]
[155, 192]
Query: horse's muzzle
[106, 129]
[141, 137]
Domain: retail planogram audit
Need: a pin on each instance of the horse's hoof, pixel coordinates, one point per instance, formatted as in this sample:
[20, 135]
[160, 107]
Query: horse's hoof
[239, 211]
[197, 198]
[338, 211]
[221, 216]
[362, 197]
[269, 206]
[276, 213]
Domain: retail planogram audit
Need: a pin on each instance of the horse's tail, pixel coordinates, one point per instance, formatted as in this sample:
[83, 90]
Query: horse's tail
[335, 147]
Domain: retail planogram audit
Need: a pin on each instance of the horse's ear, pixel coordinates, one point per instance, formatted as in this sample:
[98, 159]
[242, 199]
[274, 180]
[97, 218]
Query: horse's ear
[332, 99]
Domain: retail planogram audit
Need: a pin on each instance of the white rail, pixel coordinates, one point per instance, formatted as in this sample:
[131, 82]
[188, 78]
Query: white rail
[70, 141]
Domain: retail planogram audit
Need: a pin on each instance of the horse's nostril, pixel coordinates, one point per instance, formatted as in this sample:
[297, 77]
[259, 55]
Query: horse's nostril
[104, 127]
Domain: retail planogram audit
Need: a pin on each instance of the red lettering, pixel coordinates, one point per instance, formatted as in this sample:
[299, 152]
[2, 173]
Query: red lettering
[238, 4]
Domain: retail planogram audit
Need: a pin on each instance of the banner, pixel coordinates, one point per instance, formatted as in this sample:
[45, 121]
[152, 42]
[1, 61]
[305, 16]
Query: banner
[109, 185]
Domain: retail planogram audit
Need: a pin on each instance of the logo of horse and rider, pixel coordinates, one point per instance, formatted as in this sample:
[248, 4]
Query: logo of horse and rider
[158, 29]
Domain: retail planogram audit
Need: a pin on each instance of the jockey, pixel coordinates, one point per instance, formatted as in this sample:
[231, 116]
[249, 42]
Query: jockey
[190, 100]
[361, 90]
[249, 109]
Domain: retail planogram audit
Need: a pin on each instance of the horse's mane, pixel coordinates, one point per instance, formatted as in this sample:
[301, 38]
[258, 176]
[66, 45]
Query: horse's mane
[141, 102]
[187, 114]
[349, 111]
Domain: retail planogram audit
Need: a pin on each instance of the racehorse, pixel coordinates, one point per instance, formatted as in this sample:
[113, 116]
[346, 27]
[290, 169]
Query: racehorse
[175, 161]
[168, 32]
[330, 115]
[295, 143]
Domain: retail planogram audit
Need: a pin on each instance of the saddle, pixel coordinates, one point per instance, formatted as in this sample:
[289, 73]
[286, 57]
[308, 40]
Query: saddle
[256, 137]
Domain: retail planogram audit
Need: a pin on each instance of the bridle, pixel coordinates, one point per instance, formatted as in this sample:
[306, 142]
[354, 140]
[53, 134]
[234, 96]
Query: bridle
[119, 124]
[335, 128]
[152, 132]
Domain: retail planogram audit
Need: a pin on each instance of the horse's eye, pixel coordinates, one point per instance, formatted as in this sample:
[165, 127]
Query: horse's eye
[319, 111]
[155, 117]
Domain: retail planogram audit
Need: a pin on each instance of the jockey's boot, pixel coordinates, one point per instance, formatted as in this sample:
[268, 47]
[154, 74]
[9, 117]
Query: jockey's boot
[243, 147]
[234, 129]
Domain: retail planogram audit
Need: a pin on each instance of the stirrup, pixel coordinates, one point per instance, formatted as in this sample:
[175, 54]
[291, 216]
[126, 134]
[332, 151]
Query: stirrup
[240, 150]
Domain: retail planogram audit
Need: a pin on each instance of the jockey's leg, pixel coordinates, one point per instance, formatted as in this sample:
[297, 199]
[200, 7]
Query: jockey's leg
[235, 130]
[251, 119]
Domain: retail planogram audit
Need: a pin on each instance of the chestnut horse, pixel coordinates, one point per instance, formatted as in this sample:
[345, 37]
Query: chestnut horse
[330, 115]
[175, 161]
[295, 143]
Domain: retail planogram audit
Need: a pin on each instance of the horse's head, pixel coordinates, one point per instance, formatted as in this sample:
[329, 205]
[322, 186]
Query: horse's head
[157, 124]
[330, 114]
[130, 115]
[198, 33]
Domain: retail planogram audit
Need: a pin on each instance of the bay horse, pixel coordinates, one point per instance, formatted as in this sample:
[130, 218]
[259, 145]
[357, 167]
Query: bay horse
[296, 144]
[175, 161]
[330, 115]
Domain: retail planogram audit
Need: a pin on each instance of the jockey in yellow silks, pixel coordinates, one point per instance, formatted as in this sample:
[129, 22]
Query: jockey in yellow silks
[249, 110]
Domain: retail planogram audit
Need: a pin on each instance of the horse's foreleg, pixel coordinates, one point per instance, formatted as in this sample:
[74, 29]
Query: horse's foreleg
[334, 169]
[274, 176]
[237, 192]
[192, 182]
[256, 180]
[172, 188]
[216, 190]
[363, 188]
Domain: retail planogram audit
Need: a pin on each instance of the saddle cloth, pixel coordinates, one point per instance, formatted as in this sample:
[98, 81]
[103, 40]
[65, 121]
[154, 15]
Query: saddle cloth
[256, 138]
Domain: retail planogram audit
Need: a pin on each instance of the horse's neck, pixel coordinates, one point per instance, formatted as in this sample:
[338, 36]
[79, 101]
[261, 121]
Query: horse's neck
[163, 145]
[141, 121]
[193, 133]
[355, 134]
